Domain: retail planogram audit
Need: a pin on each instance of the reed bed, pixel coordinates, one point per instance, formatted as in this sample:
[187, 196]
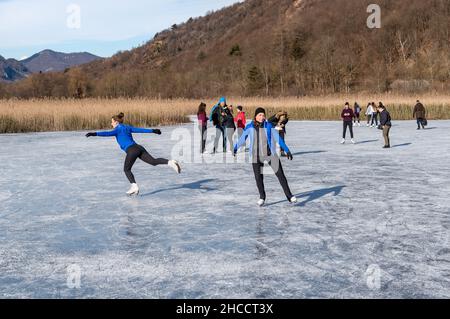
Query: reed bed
[42, 115]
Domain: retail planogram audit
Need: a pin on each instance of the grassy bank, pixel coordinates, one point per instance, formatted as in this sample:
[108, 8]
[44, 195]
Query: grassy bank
[19, 116]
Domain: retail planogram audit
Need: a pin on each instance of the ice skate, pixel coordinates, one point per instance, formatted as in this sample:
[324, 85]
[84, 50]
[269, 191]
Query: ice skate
[134, 190]
[261, 202]
[175, 165]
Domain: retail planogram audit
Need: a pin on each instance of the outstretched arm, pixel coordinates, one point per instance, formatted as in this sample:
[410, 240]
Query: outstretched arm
[141, 130]
[103, 134]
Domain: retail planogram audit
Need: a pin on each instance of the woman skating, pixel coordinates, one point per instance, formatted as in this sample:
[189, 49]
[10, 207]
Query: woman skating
[124, 137]
[263, 136]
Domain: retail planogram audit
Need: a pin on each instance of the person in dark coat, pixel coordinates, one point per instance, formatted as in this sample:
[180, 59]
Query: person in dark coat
[217, 119]
[420, 114]
[385, 124]
[229, 126]
[347, 115]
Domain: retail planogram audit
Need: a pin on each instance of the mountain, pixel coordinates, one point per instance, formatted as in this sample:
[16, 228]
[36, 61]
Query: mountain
[12, 70]
[276, 48]
[51, 61]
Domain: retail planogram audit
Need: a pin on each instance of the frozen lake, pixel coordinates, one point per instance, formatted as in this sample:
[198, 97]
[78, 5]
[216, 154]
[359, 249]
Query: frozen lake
[370, 223]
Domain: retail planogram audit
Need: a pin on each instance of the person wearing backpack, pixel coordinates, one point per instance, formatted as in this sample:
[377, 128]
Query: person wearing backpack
[217, 119]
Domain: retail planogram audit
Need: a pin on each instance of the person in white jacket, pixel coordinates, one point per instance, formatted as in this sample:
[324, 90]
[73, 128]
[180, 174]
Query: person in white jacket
[369, 113]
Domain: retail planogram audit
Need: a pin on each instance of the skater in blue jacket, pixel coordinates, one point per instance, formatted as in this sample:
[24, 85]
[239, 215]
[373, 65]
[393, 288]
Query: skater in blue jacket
[124, 137]
[263, 138]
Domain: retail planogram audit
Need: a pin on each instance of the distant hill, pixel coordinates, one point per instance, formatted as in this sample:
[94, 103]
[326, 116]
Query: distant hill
[12, 70]
[51, 61]
[275, 48]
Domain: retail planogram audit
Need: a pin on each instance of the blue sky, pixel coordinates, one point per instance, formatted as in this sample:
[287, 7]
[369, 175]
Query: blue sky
[106, 26]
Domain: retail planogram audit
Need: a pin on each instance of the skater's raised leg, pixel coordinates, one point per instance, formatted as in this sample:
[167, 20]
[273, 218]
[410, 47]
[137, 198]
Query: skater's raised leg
[147, 158]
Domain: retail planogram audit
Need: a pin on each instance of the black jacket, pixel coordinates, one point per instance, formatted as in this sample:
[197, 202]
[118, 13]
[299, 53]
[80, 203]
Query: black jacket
[385, 118]
[228, 120]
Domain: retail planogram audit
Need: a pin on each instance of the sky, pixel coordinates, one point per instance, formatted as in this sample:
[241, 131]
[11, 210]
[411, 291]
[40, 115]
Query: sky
[101, 27]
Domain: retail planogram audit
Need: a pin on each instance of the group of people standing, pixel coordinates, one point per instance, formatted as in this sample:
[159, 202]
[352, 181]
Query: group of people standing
[351, 117]
[377, 116]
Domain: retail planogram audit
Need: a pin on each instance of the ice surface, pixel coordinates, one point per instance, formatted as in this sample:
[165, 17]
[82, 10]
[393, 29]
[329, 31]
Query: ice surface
[363, 212]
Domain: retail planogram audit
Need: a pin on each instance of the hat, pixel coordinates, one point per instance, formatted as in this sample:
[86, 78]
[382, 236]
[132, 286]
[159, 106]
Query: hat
[260, 110]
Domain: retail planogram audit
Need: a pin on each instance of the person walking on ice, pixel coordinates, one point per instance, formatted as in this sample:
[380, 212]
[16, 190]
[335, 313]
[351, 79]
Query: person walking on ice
[263, 136]
[347, 115]
[124, 137]
[420, 114]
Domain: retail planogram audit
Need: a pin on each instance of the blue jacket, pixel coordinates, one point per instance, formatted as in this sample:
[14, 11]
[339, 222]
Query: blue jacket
[272, 138]
[123, 134]
[222, 99]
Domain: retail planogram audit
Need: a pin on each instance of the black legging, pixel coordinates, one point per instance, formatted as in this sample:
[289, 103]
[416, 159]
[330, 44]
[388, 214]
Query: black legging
[137, 151]
[204, 132]
[350, 126]
[275, 163]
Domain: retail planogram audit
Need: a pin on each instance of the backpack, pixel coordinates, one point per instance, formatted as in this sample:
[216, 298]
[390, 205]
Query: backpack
[216, 116]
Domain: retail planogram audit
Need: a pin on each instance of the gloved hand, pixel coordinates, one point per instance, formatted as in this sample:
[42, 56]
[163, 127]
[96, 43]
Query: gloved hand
[289, 156]
[157, 131]
[91, 134]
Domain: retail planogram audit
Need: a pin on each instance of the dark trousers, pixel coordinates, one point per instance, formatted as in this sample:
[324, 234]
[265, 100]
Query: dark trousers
[420, 123]
[357, 118]
[204, 132]
[137, 151]
[275, 163]
[350, 126]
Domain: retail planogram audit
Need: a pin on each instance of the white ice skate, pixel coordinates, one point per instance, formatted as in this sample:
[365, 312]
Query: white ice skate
[175, 165]
[134, 190]
[343, 141]
[294, 200]
[353, 141]
[261, 202]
